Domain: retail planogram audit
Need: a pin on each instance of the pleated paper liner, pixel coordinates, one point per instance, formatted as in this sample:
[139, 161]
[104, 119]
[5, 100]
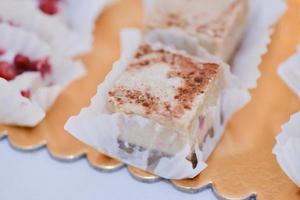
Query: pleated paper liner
[242, 163]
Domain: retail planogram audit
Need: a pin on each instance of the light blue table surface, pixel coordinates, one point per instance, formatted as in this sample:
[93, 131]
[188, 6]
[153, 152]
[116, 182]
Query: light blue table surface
[36, 176]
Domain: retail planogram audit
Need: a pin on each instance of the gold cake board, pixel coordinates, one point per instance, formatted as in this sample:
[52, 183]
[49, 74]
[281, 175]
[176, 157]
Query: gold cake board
[242, 163]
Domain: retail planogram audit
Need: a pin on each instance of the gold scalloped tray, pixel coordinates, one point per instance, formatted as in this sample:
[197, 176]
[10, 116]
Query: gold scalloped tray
[241, 165]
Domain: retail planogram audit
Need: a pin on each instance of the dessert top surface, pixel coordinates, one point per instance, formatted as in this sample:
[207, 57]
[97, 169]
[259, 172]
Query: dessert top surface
[162, 85]
[210, 17]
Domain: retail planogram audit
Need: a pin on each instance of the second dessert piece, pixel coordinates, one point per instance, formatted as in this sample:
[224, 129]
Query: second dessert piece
[217, 25]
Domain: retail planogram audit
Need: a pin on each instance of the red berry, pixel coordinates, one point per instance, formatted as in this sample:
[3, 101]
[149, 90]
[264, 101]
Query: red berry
[6, 71]
[49, 7]
[12, 23]
[201, 122]
[34, 65]
[2, 52]
[26, 93]
[22, 62]
[43, 66]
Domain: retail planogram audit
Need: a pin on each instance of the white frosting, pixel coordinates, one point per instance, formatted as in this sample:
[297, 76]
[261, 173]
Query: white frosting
[15, 109]
[43, 95]
[69, 33]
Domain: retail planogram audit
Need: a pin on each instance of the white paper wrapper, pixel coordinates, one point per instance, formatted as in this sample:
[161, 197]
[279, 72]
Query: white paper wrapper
[99, 128]
[287, 149]
[69, 32]
[289, 71]
[262, 18]
[16, 109]
[177, 40]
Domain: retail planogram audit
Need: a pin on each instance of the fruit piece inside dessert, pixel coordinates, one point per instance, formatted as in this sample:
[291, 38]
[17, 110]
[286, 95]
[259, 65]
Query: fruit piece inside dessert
[49, 7]
[64, 10]
[14, 68]
[218, 25]
[176, 91]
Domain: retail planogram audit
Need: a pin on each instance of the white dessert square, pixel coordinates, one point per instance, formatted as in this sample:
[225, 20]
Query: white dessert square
[160, 109]
[218, 25]
[169, 87]
[172, 89]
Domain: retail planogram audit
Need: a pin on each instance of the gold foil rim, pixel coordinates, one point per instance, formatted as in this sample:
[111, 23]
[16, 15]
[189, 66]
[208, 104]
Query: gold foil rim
[237, 167]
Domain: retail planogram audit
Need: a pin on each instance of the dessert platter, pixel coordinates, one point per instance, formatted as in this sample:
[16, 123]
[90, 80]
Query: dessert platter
[178, 95]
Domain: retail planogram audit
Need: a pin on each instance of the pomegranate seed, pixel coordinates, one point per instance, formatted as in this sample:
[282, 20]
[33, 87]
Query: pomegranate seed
[201, 122]
[22, 62]
[2, 52]
[45, 69]
[6, 71]
[49, 7]
[26, 93]
[14, 24]
[42, 66]
[34, 65]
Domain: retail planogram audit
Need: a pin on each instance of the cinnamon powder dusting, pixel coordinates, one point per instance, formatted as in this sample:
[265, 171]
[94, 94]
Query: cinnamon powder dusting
[144, 99]
[195, 82]
[196, 77]
[217, 27]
